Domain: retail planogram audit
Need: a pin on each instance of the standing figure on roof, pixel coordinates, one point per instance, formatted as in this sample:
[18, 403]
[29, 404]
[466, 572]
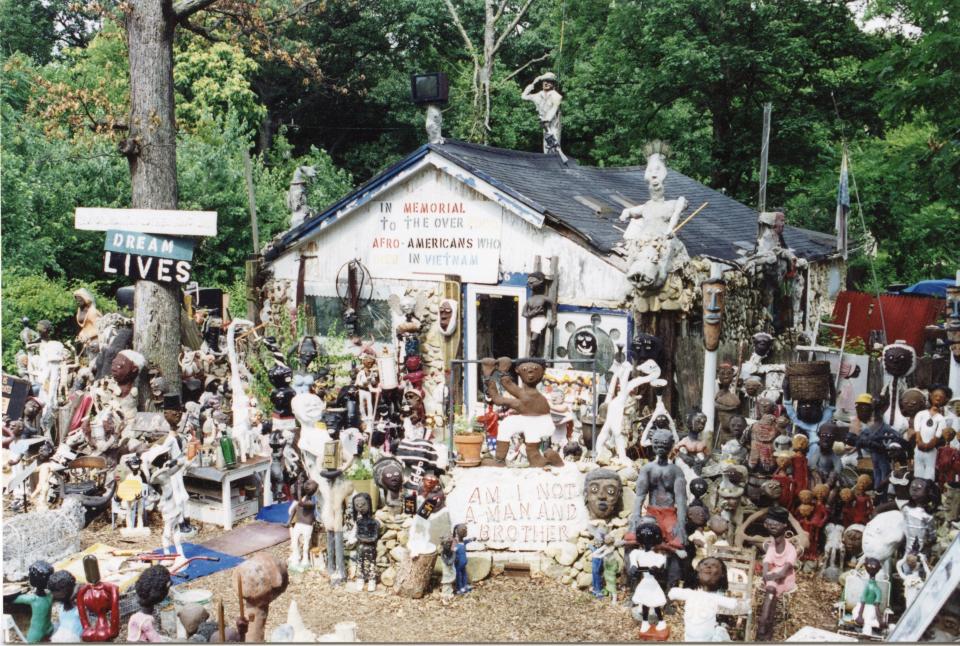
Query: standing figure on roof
[546, 99]
[653, 251]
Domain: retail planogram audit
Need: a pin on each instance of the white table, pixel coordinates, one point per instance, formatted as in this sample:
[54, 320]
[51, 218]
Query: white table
[226, 477]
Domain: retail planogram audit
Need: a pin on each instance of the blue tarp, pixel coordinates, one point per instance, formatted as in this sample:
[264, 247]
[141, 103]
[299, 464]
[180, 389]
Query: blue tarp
[278, 513]
[936, 288]
[198, 569]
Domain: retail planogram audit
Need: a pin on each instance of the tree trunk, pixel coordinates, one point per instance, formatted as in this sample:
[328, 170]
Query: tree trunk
[413, 575]
[486, 69]
[152, 155]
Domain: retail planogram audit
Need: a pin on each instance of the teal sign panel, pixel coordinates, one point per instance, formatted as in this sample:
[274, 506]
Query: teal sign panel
[144, 244]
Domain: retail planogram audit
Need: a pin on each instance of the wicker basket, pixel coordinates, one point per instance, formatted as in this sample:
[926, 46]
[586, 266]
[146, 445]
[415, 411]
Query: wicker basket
[809, 380]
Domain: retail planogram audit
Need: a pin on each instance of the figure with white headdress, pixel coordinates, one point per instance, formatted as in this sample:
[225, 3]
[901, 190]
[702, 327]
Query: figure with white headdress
[653, 251]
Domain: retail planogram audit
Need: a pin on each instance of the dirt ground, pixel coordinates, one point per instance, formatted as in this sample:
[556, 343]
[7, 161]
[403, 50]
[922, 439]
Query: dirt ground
[501, 608]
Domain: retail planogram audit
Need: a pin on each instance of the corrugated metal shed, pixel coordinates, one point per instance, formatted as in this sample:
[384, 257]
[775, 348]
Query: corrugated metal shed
[905, 316]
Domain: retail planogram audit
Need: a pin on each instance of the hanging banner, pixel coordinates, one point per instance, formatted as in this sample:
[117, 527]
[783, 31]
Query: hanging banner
[145, 244]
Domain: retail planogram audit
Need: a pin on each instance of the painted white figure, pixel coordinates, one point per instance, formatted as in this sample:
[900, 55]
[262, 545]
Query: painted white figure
[301, 519]
[171, 507]
[899, 361]
[297, 194]
[700, 614]
[770, 374]
[913, 569]
[613, 424]
[132, 494]
[240, 401]
[928, 426]
[653, 251]
[547, 101]
[368, 387]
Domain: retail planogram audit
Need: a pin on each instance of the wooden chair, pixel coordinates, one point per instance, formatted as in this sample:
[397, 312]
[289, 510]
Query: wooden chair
[741, 565]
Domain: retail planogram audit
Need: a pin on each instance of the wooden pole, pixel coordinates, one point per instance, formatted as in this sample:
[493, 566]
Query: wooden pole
[251, 201]
[764, 153]
[222, 621]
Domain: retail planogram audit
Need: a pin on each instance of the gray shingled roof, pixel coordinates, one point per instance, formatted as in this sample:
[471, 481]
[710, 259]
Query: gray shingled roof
[567, 194]
[545, 184]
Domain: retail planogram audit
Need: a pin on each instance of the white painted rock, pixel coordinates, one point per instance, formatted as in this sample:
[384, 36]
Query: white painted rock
[475, 546]
[584, 579]
[629, 499]
[628, 474]
[478, 566]
[555, 571]
[388, 576]
[883, 535]
[399, 553]
[441, 525]
[564, 552]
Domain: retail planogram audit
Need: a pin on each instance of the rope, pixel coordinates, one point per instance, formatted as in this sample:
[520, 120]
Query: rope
[863, 223]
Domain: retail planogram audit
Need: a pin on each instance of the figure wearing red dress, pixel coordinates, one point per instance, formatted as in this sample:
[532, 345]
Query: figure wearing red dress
[801, 470]
[788, 486]
[100, 598]
[812, 516]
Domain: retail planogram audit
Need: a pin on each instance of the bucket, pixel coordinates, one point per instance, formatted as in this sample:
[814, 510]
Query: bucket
[183, 598]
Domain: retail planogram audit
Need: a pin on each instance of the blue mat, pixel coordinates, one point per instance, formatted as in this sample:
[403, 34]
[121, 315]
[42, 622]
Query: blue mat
[198, 569]
[278, 513]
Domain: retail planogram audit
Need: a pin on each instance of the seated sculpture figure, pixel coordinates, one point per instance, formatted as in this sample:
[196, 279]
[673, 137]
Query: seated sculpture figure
[653, 251]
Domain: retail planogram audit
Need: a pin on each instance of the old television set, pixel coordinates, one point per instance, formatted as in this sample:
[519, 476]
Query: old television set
[429, 88]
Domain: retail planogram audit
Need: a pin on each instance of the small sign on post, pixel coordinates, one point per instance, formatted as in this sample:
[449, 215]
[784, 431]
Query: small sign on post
[160, 270]
[164, 222]
[145, 244]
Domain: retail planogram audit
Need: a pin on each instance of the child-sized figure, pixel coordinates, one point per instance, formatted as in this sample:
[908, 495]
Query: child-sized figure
[701, 605]
[40, 602]
[368, 532]
[783, 474]
[867, 611]
[100, 599]
[779, 569]
[611, 570]
[928, 428]
[152, 588]
[448, 559]
[812, 517]
[534, 422]
[948, 475]
[303, 513]
[460, 564]
[862, 504]
[63, 589]
[648, 593]
[598, 551]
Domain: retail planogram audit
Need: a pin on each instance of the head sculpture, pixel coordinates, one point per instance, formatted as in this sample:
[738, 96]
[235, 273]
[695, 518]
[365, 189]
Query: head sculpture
[63, 587]
[656, 171]
[662, 442]
[712, 574]
[153, 586]
[362, 505]
[726, 373]
[602, 493]
[762, 344]
[388, 474]
[912, 401]
[647, 346]
[899, 359]
[714, 294]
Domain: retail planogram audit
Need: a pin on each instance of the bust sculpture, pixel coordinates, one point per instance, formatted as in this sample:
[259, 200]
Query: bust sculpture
[602, 491]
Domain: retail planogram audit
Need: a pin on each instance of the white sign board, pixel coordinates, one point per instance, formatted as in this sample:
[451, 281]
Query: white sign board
[421, 234]
[175, 223]
[519, 509]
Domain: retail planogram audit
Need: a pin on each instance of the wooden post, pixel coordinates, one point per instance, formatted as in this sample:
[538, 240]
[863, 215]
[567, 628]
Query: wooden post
[553, 290]
[251, 201]
[413, 575]
[251, 269]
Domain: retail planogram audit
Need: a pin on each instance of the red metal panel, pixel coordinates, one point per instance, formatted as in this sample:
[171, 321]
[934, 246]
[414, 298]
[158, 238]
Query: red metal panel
[905, 316]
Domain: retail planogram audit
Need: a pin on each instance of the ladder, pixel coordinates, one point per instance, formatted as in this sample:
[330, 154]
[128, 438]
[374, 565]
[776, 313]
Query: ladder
[814, 347]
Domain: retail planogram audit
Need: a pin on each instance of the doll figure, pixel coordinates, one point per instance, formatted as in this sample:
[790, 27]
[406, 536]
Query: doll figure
[692, 449]
[812, 516]
[759, 437]
[164, 470]
[368, 532]
[702, 604]
[302, 515]
[414, 374]
[40, 602]
[100, 599]
[862, 501]
[598, 550]
[928, 428]
[63, 589]
[448, 558]
[533, 422]
[368, 387]
[460, 564]
[913, 569]
[130, 493]
[611, 570]
[846, 506]
[918, 521]
[948, 475]
[779, 569]
[867, 611]
[784, 475]
[152, 588]
[644, 561]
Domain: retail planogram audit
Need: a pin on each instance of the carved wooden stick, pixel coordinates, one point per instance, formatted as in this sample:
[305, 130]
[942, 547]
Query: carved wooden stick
[223, 625]
[680, 226]
[243, 613]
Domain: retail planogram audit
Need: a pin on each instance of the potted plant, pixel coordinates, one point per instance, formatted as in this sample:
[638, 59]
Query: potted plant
[361, 473]
[468, 437]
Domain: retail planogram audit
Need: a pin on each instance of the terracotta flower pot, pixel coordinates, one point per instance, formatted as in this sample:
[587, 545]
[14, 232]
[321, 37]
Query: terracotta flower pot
[469, 446]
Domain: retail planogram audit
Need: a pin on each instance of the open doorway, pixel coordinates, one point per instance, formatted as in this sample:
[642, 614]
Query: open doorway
[495, 328]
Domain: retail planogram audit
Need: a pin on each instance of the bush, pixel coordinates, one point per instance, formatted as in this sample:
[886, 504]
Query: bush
[38, 297]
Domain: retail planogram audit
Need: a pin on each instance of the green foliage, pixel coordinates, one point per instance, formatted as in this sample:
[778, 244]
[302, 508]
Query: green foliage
[38, 298]
[360, 470]
[213, 79]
